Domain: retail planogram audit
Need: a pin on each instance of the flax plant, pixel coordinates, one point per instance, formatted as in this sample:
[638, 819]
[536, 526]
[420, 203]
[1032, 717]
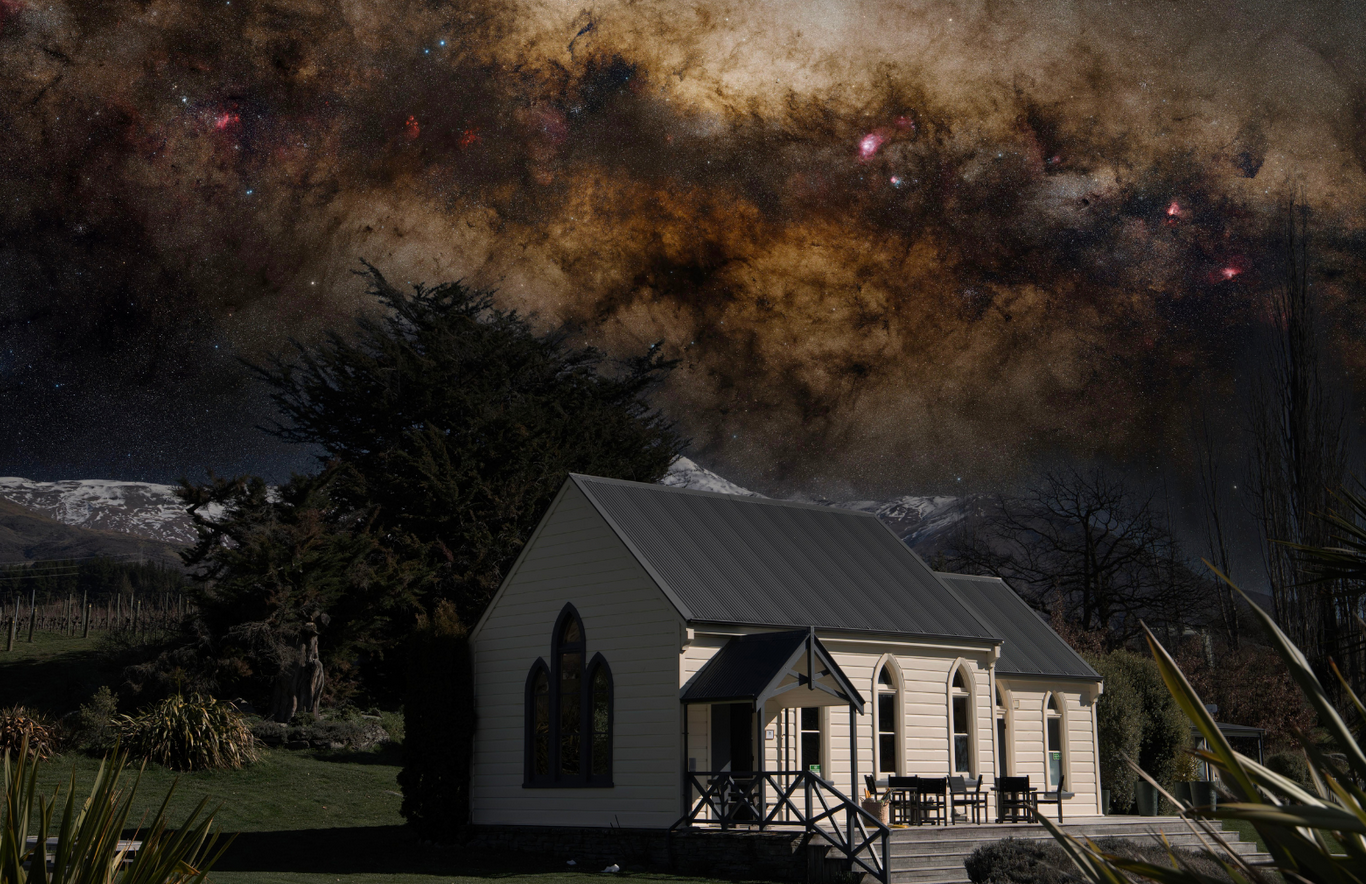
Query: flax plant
[1315, 834]
[88, 845]
[190, 733]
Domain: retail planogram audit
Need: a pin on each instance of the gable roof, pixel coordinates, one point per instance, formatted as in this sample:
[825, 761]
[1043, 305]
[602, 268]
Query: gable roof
[727, 559]
[760, 666]
[1031, 646]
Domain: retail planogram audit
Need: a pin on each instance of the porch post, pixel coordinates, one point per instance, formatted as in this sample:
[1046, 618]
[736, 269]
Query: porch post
[687, 792]
[759, 760]
[853, 771]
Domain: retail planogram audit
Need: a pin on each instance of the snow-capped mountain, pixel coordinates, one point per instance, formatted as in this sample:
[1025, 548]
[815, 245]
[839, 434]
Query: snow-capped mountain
[141, 509]
[153, 512]
[920, 521]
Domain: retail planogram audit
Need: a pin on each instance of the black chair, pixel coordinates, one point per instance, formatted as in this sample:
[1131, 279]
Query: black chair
[872, 784]
[934, 804]
[905, 801]
[1015, 801]
[1057, 797]
[972, 801]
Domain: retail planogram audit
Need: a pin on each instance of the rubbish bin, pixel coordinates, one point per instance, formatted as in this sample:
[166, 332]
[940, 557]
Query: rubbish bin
[1147, 798]
[1203, 794]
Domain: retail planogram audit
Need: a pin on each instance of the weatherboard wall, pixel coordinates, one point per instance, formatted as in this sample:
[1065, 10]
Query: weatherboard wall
[575, 557]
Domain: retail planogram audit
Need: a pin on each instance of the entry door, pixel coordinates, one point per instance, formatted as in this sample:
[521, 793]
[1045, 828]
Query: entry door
[732, 737]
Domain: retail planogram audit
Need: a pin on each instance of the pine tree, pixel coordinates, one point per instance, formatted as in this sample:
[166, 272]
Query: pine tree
[458, 424]
[446, 427]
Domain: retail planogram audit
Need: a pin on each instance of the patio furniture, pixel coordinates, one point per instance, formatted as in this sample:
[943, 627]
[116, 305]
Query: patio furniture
[905, 800]
[1015, 800]
[1055, 797]
[971, 800]
[934, 803]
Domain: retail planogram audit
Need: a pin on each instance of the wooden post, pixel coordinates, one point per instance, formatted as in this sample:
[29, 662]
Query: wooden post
[85, 614]
[66, 625]
[9, 639]
[32, 614]
[118, 609]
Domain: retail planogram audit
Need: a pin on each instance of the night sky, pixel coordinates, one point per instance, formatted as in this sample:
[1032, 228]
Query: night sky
[895, 245]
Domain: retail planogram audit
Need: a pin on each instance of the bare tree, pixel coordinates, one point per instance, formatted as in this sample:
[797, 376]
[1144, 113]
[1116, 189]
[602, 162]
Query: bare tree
[1216, 540]
[1090, 541]
[1298, 435]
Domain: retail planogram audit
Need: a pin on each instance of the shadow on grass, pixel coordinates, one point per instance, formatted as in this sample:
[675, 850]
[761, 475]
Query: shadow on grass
[390, 755]
[53, 684]
[391, 850]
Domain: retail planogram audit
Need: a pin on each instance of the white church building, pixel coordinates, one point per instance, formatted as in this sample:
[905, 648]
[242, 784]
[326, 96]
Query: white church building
[648, 632]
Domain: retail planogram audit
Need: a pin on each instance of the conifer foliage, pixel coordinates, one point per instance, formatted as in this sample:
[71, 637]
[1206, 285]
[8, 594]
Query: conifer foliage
[459, 423]
[445, 427]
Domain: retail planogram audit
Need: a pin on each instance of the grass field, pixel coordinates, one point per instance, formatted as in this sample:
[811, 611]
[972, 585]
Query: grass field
[313, 817]
[310, 817]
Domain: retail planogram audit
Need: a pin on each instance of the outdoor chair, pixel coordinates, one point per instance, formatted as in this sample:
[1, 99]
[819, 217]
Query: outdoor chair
[972, 801]
[933, 804]
[872, 784]
[1015, 801]
[1055, 797]
[905, 801]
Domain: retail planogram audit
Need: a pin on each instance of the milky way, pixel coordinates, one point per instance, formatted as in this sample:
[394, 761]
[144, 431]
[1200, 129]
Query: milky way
[892, 244]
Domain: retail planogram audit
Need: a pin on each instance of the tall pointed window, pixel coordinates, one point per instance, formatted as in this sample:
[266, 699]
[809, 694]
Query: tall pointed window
[538, 722]
[600, 722]
[568, 719]
[569, 666]
[888, 720]
[960, 708]
[1053, 725]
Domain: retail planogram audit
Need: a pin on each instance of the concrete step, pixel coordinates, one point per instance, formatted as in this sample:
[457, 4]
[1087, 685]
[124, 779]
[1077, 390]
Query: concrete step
[935, 855]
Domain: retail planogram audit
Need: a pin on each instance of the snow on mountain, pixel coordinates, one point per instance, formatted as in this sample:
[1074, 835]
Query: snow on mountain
[153, 512]
[141, 509]
[684, 473]
[922, 522]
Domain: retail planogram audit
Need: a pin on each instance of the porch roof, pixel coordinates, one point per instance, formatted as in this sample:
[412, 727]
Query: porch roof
[742, 560]
[764, 665]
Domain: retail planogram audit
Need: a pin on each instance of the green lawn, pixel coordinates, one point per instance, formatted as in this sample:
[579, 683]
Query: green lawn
[314, 817]
[308, 817]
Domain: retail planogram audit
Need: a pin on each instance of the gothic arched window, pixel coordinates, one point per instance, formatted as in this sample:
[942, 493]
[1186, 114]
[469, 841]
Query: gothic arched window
[568, 719]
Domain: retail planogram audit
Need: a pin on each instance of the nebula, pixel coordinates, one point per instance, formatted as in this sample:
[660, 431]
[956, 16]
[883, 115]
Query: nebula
[892, 244]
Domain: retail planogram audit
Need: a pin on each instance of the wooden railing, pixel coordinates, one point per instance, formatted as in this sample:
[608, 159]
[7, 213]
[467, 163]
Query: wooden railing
[796, 798]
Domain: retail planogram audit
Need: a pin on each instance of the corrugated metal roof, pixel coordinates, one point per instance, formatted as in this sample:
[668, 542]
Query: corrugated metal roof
[1031, 646]
[726, 559]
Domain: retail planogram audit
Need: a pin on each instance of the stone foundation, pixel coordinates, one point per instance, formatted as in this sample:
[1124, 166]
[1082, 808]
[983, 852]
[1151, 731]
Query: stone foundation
[750, 855]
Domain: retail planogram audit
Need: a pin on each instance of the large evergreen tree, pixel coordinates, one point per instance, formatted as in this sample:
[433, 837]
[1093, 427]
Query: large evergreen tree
[446, 426]
[459, 423]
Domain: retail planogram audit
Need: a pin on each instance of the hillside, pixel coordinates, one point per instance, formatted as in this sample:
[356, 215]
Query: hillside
[27, 536]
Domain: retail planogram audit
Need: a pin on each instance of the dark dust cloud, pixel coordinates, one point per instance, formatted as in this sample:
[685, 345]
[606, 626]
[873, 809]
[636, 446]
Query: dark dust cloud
[893, 244]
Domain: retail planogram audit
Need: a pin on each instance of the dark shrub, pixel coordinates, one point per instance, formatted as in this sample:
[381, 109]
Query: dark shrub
[1292, 765]
[1018, 861]
[438, 715]
[92, 726]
